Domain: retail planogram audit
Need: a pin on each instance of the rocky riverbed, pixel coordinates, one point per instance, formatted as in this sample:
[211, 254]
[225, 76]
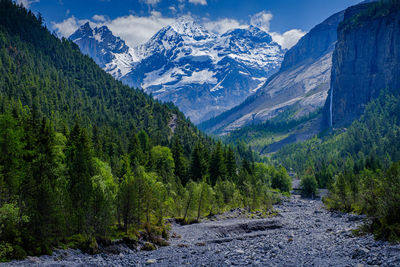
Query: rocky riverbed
[303, 234]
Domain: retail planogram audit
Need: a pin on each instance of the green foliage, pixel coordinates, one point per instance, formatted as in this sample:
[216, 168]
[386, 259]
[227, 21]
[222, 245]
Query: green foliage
[84, 156]
[259, 136]
[217, 168]
[180, 163]
[198, 164]
[10, 232]
[357, 165]
[375, 10]
[163, 163]
[309, 186]
[281, 180]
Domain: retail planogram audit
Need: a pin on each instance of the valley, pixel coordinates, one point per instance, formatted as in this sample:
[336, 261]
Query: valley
[198, 139]
[303, 233]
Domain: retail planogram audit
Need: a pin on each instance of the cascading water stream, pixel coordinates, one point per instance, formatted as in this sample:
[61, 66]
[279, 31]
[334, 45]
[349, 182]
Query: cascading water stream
[330, 109]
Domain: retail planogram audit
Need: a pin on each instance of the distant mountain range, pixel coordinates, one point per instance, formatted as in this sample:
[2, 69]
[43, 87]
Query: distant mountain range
[204, 74]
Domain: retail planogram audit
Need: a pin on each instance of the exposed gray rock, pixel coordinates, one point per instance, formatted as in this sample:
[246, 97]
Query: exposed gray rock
[302, 83]
[329, 244]
[365, 62]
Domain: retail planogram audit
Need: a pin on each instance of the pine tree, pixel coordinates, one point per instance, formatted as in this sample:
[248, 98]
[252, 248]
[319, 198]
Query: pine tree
[135, 150]
[230, 162]
[179, 160]
[217, 167]
[198, 165]
[42, 197]
[11, 156]
[80, 170]
[127, 197]
[146, 146]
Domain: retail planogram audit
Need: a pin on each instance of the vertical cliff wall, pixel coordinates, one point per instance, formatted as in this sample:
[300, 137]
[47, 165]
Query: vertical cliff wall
[366, 60]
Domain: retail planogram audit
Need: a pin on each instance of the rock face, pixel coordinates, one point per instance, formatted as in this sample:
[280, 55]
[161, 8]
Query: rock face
[202, 73]
[108, 51]
[366, 60]
[301, 84]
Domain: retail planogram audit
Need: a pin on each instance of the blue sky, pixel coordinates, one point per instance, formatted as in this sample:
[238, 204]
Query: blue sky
[137, 20]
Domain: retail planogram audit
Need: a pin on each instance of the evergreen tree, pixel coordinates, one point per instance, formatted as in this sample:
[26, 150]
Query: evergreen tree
[230, 163]
[217, 167]
[127, 202]
[135, 150]
[198, 164]
[79, 157]
[146, 146]
[179, 160]
[11, 157]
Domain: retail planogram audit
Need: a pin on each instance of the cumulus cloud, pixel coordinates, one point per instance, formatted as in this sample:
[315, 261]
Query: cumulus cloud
[99, 18]
[172, 9]
[136, 30]
[198, 2]
[133, 29]
[68, 26]
[288, 39]
[151, 2]
[223, 25]
[262, 20]
[26, 3]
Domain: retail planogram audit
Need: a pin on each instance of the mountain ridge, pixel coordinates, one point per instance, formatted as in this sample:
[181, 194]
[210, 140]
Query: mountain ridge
[185, 64]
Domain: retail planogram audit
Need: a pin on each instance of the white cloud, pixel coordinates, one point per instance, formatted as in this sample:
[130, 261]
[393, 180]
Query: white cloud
[172, 9]
[99, 18]
[223, 25]
[26, 3]
[151, 2]
[133, 29]
[262, 20]
[68, 26]
[136, 30]
[198, 2]
[288, 39]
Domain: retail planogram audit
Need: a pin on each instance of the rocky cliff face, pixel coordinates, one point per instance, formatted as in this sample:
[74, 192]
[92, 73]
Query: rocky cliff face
[301, 85]
[366, 60]
[110, 52]
[314, 44]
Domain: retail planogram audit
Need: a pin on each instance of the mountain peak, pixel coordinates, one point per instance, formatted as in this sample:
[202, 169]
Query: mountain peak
[186, 26]
[184, 60]
[254, 33]
[86, 26]
[84, 31]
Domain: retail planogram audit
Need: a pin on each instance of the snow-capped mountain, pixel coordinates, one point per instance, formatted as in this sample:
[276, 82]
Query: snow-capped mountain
[108, 51]
[300, 86]
[202, 73]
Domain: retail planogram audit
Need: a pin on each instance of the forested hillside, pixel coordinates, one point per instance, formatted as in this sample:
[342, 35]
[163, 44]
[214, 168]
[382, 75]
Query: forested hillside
[84, 157]
[357, 165]
[360, 164]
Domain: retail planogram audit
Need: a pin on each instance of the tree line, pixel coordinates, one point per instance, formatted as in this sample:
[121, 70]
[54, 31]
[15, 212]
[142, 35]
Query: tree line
[359, 165]
[84, 156]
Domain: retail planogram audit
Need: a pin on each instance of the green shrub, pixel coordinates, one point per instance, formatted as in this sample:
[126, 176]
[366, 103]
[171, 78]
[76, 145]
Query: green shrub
[148, 247]
[309, 186]
[281, 180]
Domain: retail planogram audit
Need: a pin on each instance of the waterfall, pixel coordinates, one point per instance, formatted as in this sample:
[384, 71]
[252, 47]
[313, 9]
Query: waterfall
[330, 109]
